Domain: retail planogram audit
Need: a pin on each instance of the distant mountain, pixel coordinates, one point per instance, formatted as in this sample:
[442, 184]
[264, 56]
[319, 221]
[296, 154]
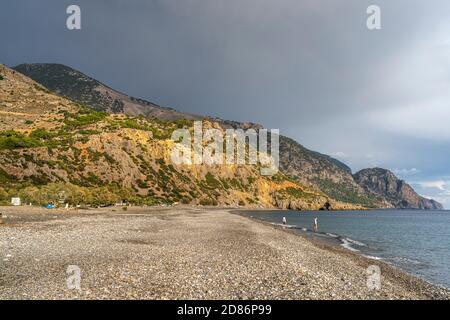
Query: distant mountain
[77, 86]
[398, 193]
[323, 173]
[315, 170]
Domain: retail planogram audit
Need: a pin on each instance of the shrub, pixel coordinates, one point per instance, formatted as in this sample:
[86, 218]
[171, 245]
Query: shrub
[5, 177]
[186, 200]
[85, 118]
[142, 184]
[212, 181]
[132, 124]
[41, 134]
[297, 193]
[3, 194]
[11, 139]
[208, 202]
[74, 194]
[109, 158]
[88, 132]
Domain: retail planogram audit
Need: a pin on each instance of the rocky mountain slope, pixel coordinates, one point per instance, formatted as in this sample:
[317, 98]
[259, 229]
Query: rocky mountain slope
[323, 173]
[79, 87]
[383, 183]
[52, 147]
[319, 172]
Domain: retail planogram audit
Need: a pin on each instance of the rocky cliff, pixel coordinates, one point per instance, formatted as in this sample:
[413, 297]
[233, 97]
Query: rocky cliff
[383, 183]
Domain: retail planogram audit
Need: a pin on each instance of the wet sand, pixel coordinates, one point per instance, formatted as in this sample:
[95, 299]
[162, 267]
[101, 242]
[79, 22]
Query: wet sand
[181, 253]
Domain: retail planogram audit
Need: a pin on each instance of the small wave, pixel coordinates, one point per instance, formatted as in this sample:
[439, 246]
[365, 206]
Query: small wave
[348, 245]
[332, 235]
[299, 228]
[410, 261]
[372, 257]
[358, 243]
[289, 226]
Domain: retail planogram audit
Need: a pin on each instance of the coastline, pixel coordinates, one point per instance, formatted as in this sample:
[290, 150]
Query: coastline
[182, 253]
[391, 271]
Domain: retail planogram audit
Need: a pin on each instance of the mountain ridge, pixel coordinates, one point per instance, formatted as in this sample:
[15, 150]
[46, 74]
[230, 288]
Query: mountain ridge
[84, 89]
[55, 149]
[384, 183]
[313, 169]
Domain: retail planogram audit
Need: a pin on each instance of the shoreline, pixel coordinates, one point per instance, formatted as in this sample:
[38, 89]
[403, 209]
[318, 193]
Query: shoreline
[181, 253]
[326, 244]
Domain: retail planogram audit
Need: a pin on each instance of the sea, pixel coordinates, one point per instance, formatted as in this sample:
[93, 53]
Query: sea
[415, 241]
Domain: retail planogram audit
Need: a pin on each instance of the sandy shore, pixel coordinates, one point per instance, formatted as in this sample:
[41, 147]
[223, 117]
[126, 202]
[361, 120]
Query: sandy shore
[180, 253]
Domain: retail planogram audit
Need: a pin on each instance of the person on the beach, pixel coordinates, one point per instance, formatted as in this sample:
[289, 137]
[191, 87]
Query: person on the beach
[284, 220]
[316, 224]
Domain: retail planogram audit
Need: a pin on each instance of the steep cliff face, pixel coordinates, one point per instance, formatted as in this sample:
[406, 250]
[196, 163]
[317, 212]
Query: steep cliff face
[323, 173]
[396, 192]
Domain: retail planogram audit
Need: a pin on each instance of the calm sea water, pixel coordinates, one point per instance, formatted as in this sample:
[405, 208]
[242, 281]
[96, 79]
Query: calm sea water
[413, 240]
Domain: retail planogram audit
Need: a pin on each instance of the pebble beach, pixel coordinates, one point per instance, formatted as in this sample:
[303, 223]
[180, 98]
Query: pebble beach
[181, 253]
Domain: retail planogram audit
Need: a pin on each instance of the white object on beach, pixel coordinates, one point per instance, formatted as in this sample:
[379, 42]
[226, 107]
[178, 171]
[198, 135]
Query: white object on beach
[16, 201]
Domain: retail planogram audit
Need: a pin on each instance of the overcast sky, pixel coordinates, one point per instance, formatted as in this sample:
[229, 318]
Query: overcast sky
[308, 67]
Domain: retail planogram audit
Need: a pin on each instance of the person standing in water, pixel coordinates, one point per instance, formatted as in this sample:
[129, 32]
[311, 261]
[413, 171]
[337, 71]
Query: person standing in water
[284, 220]
[316, 224]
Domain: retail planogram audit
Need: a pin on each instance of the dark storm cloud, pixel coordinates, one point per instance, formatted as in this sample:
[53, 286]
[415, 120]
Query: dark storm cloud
[310, 68]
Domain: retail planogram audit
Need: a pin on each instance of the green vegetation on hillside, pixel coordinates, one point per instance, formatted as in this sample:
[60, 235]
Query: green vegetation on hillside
[326, 174]
[83, 118]
[65, 163]
[344, 193]
[161, 130]
[212, 181]
[87, 152]
[75, 195]
[4, 177]
[11, 139]
[72, 84]
[77, 126]
[298, 193]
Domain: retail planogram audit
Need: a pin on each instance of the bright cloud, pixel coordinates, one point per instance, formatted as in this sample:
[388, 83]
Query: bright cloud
[438, 184]
[434, 189]
[340, 155]
[406, 172]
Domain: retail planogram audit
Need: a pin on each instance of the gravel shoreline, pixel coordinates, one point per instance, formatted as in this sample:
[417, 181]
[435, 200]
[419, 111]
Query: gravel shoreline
[181, 253]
